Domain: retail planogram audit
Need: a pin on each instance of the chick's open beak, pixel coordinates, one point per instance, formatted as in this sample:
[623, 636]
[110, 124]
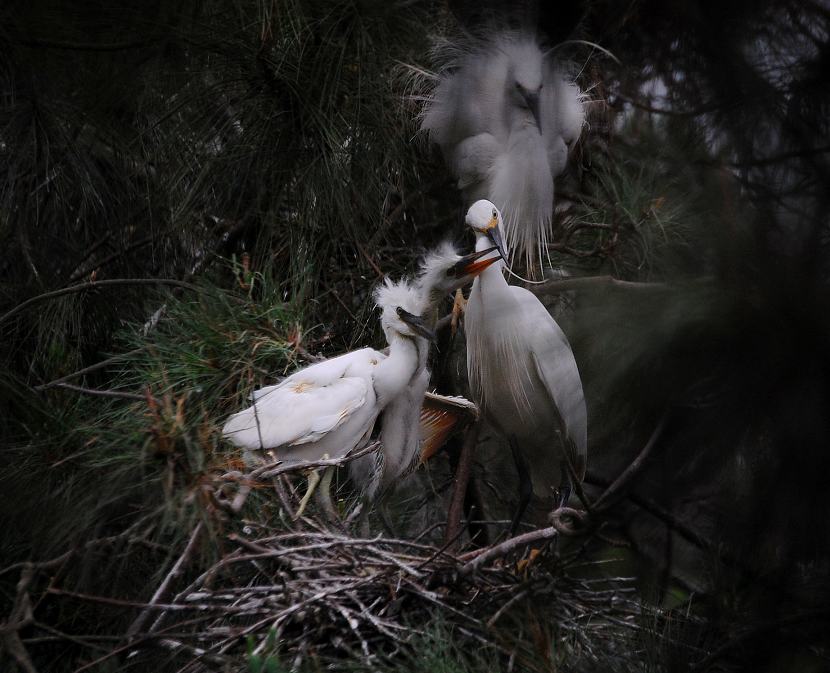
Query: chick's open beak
[473, 264]
[417, 323]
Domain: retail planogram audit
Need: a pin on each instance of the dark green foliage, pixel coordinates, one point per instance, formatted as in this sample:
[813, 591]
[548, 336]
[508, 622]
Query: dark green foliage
[266, 152]
[75, 462]
[272, 128]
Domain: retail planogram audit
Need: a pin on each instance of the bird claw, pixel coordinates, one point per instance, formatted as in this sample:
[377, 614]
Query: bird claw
[459, 305]
[313, 480]
[568, 521]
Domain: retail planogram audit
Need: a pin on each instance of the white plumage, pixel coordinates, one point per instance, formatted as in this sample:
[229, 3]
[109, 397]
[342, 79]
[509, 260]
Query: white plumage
[403, 432]
[330, 408]
[522, 371]
[326, 408]
[505, 115]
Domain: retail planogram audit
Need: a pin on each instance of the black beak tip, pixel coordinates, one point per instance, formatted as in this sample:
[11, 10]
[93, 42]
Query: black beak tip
[417, 323]
[532, 102]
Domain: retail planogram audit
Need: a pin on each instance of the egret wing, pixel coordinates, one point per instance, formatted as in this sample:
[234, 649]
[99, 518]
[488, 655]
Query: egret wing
[562, 116]
[473, 158]
[468, 101]
[323, 373]
[442, 415]
[556, 367]
[307, 405]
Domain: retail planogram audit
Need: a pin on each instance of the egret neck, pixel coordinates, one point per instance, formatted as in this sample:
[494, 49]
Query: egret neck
[397, 370]
[492, 277]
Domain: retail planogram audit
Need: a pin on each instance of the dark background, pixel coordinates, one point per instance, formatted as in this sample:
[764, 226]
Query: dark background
[267, 153]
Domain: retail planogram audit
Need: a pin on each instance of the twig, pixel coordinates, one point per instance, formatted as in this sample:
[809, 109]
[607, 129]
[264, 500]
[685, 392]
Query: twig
[507, 605]
[615, 491]
[678, 526]
[109, 258]
[102, 241]
[694, 112]
[87, 370]
[115, 282]
[102, 393]
[592, 282]
[483, 556]
[20, 617]
[164, 588]
[38, 565]
[462, 478]
[369, 259]
[117, 602]
[278, 467]
[443, 322]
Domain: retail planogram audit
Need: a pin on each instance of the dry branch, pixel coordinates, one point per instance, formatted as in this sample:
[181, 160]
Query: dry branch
[616, 490]
[462, 479]
[326, 593]
[164, 588]
[115, 282]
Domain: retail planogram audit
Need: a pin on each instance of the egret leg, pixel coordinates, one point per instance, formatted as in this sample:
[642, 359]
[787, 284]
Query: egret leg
[313, 479]
[363, 527]
[383, 512]
[565, 486]
[525, 485]
[459, 305]
[324, 500]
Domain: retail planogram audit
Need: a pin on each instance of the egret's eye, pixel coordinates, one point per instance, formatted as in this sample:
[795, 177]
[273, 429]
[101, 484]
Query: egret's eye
[495, 214]
[399, 311]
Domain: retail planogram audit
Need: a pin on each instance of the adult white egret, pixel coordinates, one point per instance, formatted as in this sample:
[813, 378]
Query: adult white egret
[505, 114]
[330, 408]
[523, 374]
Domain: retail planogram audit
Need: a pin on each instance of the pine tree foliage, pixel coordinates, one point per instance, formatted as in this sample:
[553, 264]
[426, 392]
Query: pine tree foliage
[263, 153]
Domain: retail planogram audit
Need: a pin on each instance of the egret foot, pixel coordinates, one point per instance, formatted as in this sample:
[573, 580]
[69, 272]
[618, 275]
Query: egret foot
[565, 486]
[525, 486]
[324, 501]
[567, 521]
[459, 304]
[313, 479]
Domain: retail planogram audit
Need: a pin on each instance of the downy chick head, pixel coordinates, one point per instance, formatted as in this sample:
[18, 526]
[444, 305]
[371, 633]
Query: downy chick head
[443, 271]
[401, 305]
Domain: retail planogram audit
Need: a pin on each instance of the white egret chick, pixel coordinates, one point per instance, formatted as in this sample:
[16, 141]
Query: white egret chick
[523, 374]
[412, 428]
[328, 409]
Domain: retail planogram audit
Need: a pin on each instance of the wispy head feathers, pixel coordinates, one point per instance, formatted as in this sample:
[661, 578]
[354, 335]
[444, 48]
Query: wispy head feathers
[390, 294]
[432, 279]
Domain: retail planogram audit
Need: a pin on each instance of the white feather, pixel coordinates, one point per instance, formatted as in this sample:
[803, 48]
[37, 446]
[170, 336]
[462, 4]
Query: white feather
[491, 142]
[522, 371]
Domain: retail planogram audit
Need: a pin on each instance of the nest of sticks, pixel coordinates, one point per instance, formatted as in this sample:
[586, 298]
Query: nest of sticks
[321, 595]
[307, 593]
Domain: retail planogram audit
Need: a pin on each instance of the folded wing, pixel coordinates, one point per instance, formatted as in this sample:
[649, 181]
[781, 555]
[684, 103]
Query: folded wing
[442, 415]
[309, 405]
